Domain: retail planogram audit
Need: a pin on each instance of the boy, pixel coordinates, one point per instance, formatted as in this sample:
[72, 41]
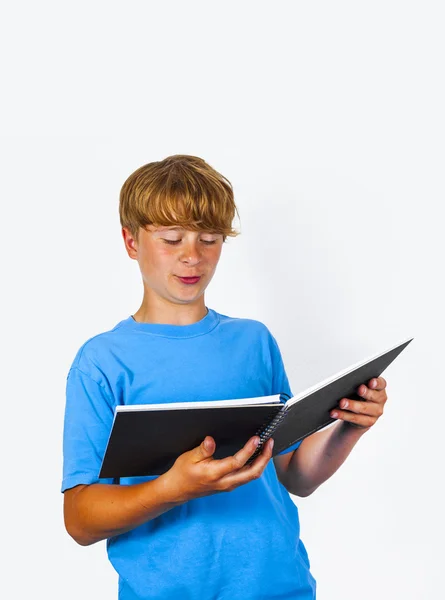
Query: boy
[207, 528]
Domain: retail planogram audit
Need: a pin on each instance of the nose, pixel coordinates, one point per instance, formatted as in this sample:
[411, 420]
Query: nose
[191, 253]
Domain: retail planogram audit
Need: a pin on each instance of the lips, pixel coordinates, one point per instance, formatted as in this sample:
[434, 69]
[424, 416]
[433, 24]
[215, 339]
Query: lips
[189, 279]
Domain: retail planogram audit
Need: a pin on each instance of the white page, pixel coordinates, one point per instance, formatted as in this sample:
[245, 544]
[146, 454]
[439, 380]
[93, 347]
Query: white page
[259, 401]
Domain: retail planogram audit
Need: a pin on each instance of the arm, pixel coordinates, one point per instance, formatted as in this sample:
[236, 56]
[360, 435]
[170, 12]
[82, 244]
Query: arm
[322, 453]
[99, 511]
[95, 510]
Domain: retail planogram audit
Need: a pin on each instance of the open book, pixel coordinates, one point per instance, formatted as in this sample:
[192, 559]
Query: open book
[146, 439]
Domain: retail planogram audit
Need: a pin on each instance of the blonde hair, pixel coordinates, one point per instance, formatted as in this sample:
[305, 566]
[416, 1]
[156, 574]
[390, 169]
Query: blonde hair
[179, 190]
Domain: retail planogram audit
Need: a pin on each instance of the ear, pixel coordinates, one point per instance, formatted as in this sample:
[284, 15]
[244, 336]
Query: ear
[130, 243]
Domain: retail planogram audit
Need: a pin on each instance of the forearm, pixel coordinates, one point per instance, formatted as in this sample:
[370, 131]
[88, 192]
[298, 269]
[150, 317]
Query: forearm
[99, 511]
[319, 456]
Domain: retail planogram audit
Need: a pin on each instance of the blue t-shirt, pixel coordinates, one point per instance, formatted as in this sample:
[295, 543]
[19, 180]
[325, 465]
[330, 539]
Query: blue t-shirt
[244, 544]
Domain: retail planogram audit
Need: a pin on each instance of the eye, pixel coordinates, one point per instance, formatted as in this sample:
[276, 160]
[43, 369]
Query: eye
[174, 242]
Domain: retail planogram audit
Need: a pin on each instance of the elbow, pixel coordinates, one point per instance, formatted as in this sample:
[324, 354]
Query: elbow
[80, 537]
[301, 491]
[72, 520]
[76, 531]
[84, 541]
[304, 493]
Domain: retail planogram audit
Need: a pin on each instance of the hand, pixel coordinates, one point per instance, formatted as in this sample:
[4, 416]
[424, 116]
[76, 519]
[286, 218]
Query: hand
[363, 413]
[196, 473]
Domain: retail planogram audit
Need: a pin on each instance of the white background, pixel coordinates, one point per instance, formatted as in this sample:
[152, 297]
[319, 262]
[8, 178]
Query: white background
[328, 119]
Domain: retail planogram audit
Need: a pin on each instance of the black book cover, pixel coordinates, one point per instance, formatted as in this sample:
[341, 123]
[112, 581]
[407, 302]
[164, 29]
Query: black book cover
[148, 441]
[312, 411]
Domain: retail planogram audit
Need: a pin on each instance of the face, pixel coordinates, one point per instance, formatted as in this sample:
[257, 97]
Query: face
[165, 254]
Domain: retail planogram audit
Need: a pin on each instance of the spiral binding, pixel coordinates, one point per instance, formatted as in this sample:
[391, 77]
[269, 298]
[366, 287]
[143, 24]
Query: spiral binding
[266, 432]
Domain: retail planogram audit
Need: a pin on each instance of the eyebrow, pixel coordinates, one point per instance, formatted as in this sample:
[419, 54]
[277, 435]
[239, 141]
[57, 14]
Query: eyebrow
[177, 228]
[170, 228]
[166, 228]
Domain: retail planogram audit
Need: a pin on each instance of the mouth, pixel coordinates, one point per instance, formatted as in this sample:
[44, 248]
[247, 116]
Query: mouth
[189, 280]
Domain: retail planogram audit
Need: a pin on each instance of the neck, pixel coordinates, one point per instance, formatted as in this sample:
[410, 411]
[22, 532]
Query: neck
[169, 313]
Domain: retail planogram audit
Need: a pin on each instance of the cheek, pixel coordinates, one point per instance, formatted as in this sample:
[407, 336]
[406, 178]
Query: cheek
[164, 253]
[215, 253]
[163, 262]
[157, 260]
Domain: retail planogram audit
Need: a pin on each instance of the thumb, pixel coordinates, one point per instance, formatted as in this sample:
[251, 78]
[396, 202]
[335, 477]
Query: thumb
[206, 448]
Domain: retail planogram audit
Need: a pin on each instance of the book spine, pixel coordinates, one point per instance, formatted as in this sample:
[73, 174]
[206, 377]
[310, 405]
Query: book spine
[266, 432]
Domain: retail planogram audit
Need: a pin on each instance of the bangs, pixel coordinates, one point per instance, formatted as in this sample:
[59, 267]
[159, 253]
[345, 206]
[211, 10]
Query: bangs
[195, 212]
[179, 191]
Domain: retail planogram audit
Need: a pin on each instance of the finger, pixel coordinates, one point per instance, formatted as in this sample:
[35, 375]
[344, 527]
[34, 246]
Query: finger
[250, 471]
[372, 395]
[373, 409]
[357, 419]
[378, 383]
[227, 465]
[205, 450]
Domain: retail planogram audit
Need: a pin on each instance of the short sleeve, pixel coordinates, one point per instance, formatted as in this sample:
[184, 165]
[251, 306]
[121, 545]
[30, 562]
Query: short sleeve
[87, 424]
[280, 382]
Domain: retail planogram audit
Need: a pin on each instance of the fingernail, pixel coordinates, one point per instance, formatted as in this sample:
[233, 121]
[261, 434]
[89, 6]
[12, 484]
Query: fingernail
[271, 442]
[256, 441]
[334, 415]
